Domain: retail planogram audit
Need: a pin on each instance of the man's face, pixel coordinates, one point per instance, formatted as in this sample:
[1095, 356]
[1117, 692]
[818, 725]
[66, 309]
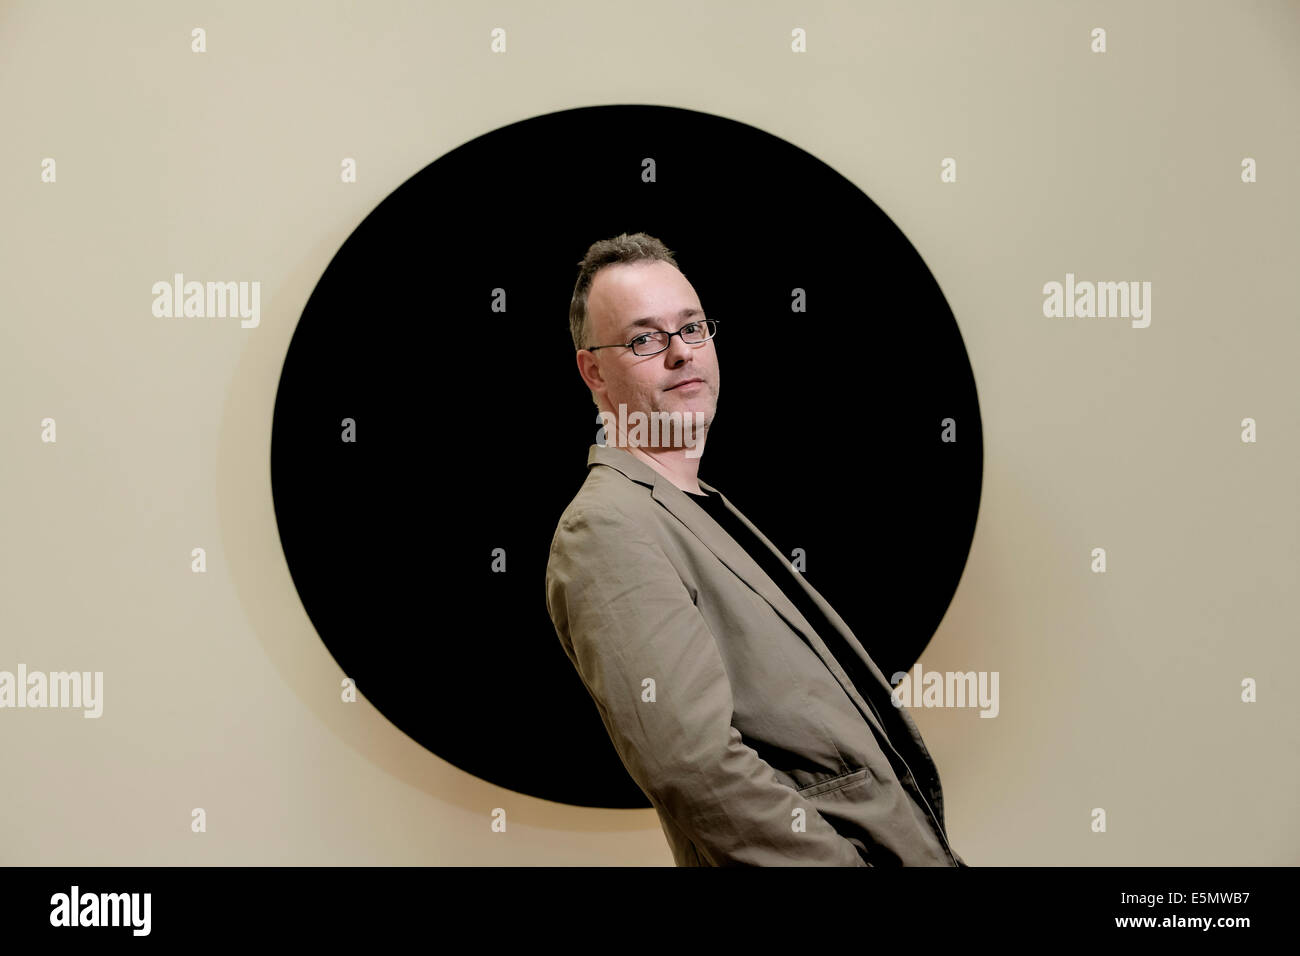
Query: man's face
[626, 300]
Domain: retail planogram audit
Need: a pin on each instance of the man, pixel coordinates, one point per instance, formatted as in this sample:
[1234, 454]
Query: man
[737, 699]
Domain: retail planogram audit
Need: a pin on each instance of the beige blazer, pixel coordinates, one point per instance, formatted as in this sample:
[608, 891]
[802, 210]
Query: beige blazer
[746, 735]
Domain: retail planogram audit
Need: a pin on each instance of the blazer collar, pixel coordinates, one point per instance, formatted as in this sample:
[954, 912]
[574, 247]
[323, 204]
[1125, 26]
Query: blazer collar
[701, 524]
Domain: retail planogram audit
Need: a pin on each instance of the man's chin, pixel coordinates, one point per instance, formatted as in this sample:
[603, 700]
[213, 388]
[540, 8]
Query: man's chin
[690, 417]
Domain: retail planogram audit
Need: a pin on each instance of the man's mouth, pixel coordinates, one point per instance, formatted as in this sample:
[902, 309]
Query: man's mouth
[680, 384]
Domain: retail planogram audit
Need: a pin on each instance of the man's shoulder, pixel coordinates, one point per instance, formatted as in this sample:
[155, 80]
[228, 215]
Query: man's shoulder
[611, 500]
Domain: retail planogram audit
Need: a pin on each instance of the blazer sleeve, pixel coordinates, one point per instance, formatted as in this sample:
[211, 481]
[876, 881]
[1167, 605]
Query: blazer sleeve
[625, 619]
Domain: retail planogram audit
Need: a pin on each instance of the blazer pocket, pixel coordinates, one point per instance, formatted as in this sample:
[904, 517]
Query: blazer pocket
[841, 802]
[835, 783]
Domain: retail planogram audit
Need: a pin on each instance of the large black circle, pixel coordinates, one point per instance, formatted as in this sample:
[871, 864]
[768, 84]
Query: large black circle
[473, 426]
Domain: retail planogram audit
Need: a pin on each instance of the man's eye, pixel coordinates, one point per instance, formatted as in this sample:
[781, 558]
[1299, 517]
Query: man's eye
[690, 329]
[641, 339]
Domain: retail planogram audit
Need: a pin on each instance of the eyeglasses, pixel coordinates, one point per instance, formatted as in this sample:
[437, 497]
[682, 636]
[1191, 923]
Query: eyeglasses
[652, 343]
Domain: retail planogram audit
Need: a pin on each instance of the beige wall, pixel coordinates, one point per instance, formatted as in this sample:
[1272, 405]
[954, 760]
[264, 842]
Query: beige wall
[1118, 690]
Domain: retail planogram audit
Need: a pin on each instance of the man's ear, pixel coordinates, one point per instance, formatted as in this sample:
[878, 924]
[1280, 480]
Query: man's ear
[587, 369]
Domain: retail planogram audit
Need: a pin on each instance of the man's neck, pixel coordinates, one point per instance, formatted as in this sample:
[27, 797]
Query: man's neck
[673, 464]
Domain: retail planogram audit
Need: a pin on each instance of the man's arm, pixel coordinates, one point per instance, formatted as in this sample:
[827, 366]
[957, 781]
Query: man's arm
[624, 615]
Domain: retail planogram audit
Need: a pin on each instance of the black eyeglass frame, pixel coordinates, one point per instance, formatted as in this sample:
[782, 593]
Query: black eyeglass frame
[629, 345]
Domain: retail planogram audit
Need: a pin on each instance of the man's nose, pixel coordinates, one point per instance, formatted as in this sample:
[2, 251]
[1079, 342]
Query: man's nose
[677, 351]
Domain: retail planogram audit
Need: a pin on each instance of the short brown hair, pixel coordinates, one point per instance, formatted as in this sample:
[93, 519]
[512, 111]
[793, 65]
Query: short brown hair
[637, 247]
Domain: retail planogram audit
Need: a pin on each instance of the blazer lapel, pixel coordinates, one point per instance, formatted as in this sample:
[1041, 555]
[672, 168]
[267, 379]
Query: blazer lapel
[679, 504]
